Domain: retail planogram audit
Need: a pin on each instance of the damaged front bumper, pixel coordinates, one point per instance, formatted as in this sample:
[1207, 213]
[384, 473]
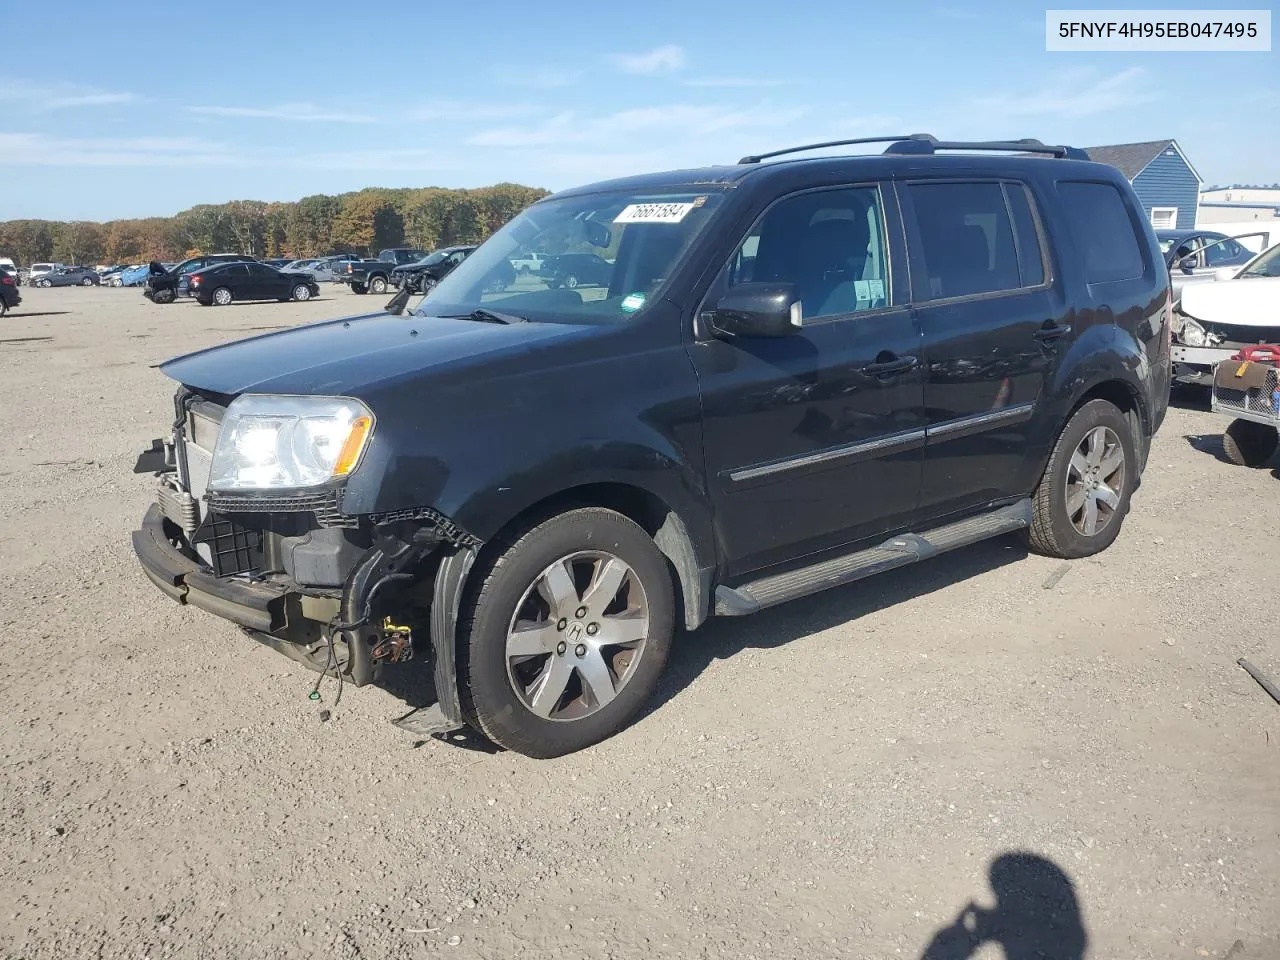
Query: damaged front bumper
[424, 572]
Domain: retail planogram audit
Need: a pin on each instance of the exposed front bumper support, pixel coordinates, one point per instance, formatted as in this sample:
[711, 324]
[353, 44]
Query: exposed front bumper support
[258, 606]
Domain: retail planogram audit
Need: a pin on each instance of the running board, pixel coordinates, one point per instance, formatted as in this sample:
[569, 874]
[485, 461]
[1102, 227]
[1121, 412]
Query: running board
[894, 552]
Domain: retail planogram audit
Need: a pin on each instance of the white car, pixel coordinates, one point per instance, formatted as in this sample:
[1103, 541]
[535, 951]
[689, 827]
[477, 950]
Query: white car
[1215, 320]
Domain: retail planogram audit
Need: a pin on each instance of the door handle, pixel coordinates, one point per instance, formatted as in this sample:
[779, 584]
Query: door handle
[889, 368]
[1052, 331]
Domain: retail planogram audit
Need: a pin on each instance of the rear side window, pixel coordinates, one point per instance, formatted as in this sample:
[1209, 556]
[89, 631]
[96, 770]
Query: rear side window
[967, 238]
[1102, 229]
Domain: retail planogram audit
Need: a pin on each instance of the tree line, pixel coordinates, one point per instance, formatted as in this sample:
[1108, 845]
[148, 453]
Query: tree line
[363, 222]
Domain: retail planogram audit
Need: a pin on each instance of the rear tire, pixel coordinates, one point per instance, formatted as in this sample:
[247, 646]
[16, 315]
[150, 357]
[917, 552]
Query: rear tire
[1083, 497]
[378, 285]
[221, 297]
[517, 582]
[1249, 444]
[359, 288]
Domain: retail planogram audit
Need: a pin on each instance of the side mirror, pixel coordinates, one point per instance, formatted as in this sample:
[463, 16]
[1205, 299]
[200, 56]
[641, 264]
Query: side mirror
[1225, 273]
[758, 310]
[1187, 264]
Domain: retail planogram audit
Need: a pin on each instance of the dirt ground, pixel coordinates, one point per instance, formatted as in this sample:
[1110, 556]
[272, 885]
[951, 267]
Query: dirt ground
[838, 777]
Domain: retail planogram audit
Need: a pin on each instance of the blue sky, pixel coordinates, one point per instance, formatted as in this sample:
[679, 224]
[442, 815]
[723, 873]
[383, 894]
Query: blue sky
[147, 109]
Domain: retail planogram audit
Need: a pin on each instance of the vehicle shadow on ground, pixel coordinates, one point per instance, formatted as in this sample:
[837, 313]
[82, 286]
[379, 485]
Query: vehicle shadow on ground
[722, 638]
[23, 314]
[1187, 397]
[1037, 915]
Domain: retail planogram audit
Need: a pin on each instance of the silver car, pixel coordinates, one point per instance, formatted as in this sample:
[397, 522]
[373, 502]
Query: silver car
[1195, 256]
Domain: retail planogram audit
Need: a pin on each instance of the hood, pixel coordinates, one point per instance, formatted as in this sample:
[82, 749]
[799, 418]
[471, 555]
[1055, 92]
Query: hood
[344, 357]
[1254, 302]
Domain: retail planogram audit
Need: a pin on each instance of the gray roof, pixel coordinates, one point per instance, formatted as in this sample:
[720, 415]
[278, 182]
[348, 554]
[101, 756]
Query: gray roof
[1129, 158]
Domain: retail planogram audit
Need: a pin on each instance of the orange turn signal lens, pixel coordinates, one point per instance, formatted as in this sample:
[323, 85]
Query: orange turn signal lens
[353, 446]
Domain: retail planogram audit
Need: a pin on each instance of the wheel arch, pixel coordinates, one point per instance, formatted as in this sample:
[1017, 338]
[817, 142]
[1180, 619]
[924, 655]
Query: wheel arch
[661, 521]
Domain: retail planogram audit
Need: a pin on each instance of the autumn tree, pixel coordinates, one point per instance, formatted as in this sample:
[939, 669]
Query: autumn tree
[367, 221]
[79, 242]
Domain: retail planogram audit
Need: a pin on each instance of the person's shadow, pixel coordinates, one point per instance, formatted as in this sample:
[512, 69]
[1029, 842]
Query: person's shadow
[1036, 916]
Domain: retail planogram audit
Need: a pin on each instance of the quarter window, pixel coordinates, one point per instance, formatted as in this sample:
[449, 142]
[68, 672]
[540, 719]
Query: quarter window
[1102, 230]
[830, 244]
[967, 239]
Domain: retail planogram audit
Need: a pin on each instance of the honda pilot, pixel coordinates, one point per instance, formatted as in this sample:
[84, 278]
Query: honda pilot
[796, 374]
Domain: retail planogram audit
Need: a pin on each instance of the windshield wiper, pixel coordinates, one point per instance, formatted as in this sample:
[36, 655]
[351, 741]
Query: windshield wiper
[488, 316]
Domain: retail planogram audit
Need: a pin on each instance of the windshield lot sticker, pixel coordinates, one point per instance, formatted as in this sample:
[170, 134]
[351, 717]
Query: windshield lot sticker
[653, 213]
[632, 302]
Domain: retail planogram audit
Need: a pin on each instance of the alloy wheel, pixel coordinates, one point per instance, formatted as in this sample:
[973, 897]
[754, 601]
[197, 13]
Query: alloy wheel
[1095, 481]
[577, 636]
[222, 296]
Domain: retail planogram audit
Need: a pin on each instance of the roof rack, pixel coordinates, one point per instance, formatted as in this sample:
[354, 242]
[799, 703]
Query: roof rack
[921, 144]
[925, 143]
[757, 157]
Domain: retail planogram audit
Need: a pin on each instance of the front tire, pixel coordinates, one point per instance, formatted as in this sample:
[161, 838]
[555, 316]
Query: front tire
[1084, 494]
[87, 282]
[1249, 444]
[567, 633]
[301, 292]
[378, 285]
[163, 296]
[359, 288]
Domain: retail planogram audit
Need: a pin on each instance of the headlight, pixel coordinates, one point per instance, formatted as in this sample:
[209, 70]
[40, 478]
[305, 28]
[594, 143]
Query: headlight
[285, 443]
[1192, 334]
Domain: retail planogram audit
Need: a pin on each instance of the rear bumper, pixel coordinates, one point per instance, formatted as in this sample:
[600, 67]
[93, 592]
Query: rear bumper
[258, 606]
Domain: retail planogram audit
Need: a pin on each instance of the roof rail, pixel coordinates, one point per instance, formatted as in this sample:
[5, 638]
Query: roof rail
[922, 144]
[757, 157]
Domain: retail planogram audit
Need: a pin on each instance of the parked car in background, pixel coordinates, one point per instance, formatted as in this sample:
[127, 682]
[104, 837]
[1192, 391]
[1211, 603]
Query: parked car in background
[38, 270]
[134, 276]
[277, 262]
[69, 277]
[1194, 255]
[166, 285]
[231, 282]
[366, 276]
[108, 275]
[573, 270]
[330, 269]
[9, 266]
[9, 295]
[528, 263]
[1215, 320]
[431, 269]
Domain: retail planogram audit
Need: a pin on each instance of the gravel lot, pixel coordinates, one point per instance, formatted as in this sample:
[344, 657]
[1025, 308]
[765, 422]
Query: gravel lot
[833, 778]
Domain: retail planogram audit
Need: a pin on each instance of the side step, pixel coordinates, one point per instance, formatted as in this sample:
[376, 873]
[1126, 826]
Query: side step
[894, 552]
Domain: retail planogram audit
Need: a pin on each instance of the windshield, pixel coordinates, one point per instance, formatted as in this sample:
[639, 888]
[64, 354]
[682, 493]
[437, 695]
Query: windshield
[1266, 264]
[604, 257]
[431, 258]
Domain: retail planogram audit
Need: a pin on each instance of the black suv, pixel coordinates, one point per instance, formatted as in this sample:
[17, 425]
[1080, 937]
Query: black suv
[165, 286]
[798, 374]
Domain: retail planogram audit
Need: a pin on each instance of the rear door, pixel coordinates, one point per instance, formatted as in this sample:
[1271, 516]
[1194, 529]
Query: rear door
[263, 282]
[992, 325]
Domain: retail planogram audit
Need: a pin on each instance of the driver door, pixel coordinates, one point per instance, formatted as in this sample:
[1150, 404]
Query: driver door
[815, 440]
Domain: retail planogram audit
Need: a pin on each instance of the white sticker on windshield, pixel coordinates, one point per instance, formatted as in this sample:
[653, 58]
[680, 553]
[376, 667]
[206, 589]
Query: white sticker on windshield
[653, 213]
[877, 289]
